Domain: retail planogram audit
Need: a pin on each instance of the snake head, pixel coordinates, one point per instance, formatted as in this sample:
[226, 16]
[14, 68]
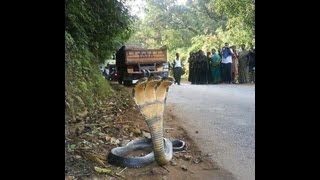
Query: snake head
[150, 96]
[154, 80]
[168, 81]
[137, 91]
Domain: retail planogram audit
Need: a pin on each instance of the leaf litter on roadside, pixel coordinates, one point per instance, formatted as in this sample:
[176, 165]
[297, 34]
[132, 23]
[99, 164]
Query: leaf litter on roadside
[114, 123]
[109, 126]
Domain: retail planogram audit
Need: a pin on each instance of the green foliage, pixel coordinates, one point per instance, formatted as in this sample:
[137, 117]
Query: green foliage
[200, 24]
[176, 25]
[241, 17]
[199, 21]
[99, 26]
[93, 31]
[83, 81]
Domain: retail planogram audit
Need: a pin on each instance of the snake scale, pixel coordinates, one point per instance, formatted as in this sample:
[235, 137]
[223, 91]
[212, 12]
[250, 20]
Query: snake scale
[150, 96]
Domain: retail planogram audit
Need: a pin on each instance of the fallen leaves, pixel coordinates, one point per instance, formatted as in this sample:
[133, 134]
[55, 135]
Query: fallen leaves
[102, 170]
[83, 114]
[92, 134]
[95, 158]
[114, 123]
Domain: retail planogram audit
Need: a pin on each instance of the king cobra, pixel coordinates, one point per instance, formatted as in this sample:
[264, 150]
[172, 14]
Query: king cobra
[150, 96]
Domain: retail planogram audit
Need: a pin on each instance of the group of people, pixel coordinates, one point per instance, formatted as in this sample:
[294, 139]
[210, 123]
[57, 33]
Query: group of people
[225, 66]
[198, 68]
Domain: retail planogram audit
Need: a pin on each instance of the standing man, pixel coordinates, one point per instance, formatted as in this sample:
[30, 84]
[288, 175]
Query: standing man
[243, 65]
[177, 69]
[226, 64]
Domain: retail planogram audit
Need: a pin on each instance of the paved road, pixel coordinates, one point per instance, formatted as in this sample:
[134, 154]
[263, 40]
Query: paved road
[224, 116]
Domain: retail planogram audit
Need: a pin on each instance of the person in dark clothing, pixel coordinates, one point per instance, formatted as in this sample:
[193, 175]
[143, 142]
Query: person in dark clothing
[252, 64]
[190, 61]
[196, 68]
[203, 68]
[209, 56]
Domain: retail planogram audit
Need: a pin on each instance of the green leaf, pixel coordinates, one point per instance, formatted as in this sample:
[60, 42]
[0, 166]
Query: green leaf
[102, 170]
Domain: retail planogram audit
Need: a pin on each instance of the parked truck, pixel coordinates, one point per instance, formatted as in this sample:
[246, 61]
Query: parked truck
[136, 62]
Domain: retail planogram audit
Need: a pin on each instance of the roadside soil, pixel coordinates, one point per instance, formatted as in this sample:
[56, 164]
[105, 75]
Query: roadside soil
[90, 136]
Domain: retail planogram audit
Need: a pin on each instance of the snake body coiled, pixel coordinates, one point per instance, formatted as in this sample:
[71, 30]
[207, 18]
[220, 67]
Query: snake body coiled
[150, 95]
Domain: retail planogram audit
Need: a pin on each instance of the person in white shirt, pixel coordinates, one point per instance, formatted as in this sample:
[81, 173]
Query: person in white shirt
[177, 69]
[226, 64]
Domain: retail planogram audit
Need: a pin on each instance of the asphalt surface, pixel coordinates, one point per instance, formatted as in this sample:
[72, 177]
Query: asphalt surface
[221, 120]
